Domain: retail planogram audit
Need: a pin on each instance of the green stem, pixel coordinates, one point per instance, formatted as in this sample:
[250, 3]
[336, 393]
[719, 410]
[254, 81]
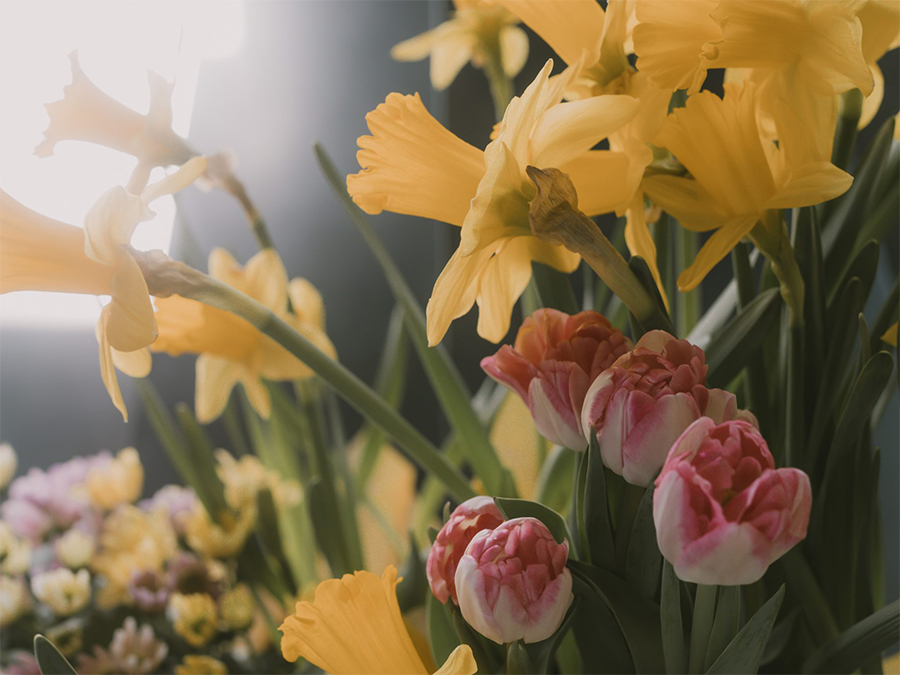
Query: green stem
[687, 303]
[704, 613]
[165, 277]
[499, 82]
[755, 372]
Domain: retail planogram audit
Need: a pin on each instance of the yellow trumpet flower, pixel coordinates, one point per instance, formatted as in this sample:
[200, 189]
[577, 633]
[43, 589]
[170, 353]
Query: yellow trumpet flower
[413, 165]
[737, 178]
[354, 627]
[230, 349]
[880, 21]
[476, 26]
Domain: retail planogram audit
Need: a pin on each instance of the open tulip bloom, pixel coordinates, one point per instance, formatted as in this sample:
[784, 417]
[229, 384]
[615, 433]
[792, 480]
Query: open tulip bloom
[669, 465]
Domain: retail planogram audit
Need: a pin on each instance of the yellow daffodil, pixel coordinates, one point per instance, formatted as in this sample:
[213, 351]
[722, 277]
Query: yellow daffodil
[38, 253]
[354, 627]
[132, 540]
[223, 538]
[232, 351]
[120, 481]
[476, 28]
[738, 179]
[197, 664]
[193, 617]
[413, 165]
[582, 34]
[880, 21]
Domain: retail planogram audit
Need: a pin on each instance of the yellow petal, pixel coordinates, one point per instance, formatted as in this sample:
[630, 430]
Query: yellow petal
[265, 280]
[872, 102]
[890, 335]
[352, 627]
[688, 201]
[811, 184]
[134, 364]
[186, 174]
[278, 364]
[307, 302]
[880, 20]
[505, 277]
[110, 222]
[669, 39]
[640, 241]
[257, 393]
[224, 267]
[570, 27]
[190, 327]
[513, 49]
[448, 56]
[460, 662]
[416, 48]
[716, 247]
[412, 165]
[41, 254]
[107, 368]
[516, 440]
[454, 292]
[601, 179]
[131, 323]
[216, 378]
[570, 129]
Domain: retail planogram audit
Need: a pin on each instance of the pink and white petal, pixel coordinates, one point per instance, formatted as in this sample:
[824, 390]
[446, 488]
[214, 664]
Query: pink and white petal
[550, 610]
[552, 412]
[729, 555]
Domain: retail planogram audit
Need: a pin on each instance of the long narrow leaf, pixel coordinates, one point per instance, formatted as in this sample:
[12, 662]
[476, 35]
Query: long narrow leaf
[745, 652]
[858, 644]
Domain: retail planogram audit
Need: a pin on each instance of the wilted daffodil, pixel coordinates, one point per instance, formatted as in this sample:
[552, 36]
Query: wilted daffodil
[413, 165]
[738, 183]
[230, 349]
[584, 35]
[354, 627]
[478, 31]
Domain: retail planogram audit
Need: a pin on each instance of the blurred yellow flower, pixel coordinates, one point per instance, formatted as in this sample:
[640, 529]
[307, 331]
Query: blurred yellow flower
[890, 335]
[243, 479]
[193, 617]
[15, 552]
[14, 599]
[231, 350]
[476, 29]
[196, 664]
[120, 481]
[223, 538]
[8, 463]
[737, 178]
[75, 548]
[354, 627]
[237, 607]
[131, 541]
[62, 590]
[413, 165]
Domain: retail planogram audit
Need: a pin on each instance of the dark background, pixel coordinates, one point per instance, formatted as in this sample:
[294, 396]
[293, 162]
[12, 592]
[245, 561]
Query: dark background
[311, 71]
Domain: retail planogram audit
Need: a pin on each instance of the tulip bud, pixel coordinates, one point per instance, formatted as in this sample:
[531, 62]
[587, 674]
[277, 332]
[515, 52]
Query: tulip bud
[723, 512]
[467, 520]
[639, 406]
[513, 583]
[551, 366]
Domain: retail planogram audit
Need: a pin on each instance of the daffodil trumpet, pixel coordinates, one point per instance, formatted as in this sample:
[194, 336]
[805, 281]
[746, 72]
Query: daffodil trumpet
[166, 277]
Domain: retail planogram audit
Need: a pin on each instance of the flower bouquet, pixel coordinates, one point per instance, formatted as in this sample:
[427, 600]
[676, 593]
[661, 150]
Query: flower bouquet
[644, 482]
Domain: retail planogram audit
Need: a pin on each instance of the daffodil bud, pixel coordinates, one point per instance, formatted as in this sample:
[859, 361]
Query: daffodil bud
[513, 583]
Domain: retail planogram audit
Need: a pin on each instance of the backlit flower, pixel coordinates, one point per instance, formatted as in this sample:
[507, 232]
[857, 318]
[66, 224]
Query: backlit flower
[223, 538]
[738, 179]
[8, 464]
[62, 590]
[413, 165]
[230, 349]
[14, 599]
[354, 627]
[244, 478]
[149, 591]
[15, 552]
[555, 359]
[467, 520]
[237, 607]
[75, 548]
[513, 583]
[193, 617]
[119, 481]
[198, 664]
[476, 28]
[723, 512]
[132, 651]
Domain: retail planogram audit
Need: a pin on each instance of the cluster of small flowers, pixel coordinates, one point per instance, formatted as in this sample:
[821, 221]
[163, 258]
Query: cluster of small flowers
[79, 552]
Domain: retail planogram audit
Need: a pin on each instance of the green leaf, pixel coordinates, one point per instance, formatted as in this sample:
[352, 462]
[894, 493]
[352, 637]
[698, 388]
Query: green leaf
[643, 561]
[858, 644]
[518, 661]
[887, 316]
[687, 305]
[412, 591]
[846, 129]
[267, 526]
[863, 266]
[49, 658]
[659, 320]
[554, 482]
[730, 350]
[599, 637]
[199, 451]
[674, 649]
[577, 521]
[596, 511]
[808, 252]
[321, 512]
[726, 624]
[744, 653]
[553, 288]
[522, 508]
[446, 380]
[441, 633]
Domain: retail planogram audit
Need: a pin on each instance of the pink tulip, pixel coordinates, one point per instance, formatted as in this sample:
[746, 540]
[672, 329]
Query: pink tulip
[467, 520]
[513, 583]
[723, 512]
[638, 407]
[551, 366]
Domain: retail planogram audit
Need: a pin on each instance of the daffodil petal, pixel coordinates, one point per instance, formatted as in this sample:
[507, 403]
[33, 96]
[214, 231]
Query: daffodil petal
[811, 184]
[454, 292]
[107, 368]
[265, 280]
[688, 201]
[416, 48]
[872, 102]
[186, 174]
[570, 27]
[640, 242]
[307, 302]
[132, 324]
[513, 49]
[505, 277]
[257, 394]
[134, 364]
[601, 180]
[110, 222]
[460, 662]
[448, 56]
[717, 247]
[216, 378]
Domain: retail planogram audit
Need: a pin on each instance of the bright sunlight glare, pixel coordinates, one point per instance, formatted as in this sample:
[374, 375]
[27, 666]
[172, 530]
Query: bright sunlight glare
[117, 43]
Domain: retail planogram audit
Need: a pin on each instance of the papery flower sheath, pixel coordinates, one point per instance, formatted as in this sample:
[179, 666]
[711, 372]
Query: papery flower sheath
[354, 627]
[413, 165]
[723, 512]
[738, 179]
[555, 359]
[476, 26]
[230, 349]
